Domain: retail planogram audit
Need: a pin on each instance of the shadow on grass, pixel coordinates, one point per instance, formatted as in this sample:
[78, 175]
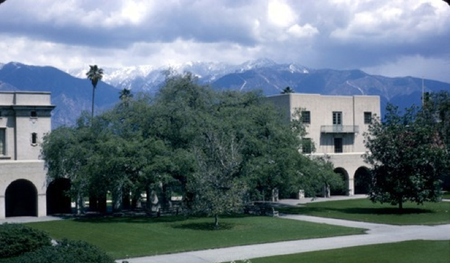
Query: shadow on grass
[204, 226]
[130, 219]
[385, 211]
[140, 219]
[355, 210]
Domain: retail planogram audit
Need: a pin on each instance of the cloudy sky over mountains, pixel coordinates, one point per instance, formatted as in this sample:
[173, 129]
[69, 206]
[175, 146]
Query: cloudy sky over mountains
[387, 37]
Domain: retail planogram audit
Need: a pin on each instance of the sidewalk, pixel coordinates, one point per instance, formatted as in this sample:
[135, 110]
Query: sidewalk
[29, 219]
[375, 234]
[307, 200]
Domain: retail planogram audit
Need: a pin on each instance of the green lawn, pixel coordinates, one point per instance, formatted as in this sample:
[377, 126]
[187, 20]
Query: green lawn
[365, 210]
[404, 252]
[133, 237]
[446, 195]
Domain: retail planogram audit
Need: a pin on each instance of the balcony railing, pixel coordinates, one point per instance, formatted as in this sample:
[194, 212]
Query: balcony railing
[339, 129]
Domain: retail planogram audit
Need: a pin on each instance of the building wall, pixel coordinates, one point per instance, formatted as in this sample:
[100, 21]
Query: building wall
[23, 114]
[32, 171]
[322, 131]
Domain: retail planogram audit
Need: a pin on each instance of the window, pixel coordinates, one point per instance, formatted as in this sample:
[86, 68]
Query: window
[34, 138]
[33, 114]
[337, 117]
[307, 145]
[367, 117]
[338, 145]
[306, 117]
[2, 141]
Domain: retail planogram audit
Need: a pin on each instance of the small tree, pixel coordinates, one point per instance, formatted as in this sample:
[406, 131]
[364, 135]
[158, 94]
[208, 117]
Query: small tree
[94, 74]
[216, 186]
[287, 90]
[125, 94]
[407, 158]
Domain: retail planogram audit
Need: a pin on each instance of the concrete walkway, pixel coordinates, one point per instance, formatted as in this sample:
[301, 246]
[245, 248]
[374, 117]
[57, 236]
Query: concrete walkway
[375, 234]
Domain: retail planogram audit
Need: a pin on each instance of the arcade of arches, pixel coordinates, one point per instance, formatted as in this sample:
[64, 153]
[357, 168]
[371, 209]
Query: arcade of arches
[21, 198]
[356, 184]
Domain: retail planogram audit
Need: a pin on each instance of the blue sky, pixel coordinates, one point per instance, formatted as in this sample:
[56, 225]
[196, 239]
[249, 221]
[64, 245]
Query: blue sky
[386, 37]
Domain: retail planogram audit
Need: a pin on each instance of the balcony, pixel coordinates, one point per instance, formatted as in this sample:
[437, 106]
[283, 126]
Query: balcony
[339, 129]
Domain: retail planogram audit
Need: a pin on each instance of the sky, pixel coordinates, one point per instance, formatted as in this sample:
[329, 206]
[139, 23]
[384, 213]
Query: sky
[384, 37]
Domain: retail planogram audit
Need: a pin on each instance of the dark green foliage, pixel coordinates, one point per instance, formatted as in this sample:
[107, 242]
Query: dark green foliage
[436, 112]
[218, 149]
[65, 252]
[408, 157]
[16, 239]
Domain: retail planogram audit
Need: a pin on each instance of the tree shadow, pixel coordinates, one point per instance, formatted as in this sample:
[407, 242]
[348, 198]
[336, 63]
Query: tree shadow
[204, 226]
[355, 210]
[130, 219]
[384, 211]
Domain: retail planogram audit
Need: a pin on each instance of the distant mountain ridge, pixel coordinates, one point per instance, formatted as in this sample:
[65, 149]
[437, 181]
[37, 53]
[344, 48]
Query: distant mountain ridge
[71, 91]
[70, 95]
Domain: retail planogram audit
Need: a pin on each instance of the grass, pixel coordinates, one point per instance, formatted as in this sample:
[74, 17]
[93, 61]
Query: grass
[142, 236]
[403, 252]
[446, 195]
[366, 211]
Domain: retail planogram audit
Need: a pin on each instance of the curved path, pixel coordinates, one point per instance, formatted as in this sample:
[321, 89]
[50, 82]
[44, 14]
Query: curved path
[375, 234]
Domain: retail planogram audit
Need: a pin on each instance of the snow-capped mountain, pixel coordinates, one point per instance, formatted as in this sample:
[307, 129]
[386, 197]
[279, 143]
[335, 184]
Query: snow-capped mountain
[71, 91]
[148, 78]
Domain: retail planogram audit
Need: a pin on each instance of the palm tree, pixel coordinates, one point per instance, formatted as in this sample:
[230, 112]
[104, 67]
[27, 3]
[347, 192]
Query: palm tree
[125, 94]
[94, 74]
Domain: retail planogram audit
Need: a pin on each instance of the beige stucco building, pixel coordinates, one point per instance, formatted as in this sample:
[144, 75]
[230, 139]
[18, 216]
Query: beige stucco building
[25, 117]
[335, 126]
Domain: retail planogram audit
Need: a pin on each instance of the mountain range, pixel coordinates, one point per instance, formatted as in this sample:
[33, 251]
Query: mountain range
[71, 91]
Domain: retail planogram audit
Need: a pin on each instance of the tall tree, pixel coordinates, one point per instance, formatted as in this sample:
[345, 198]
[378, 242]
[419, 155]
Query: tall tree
[94, 75]
[214, 147]
[436, 113]
[407, 158]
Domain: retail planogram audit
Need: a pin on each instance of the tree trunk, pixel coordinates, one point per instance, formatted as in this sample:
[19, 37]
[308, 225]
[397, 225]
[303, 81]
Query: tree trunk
[216, 221]
[93, 203]
[126, 204]
[80, 204]
[93, 98]
[400, 206]
[102, 204]
[148, 201]
[117, 199]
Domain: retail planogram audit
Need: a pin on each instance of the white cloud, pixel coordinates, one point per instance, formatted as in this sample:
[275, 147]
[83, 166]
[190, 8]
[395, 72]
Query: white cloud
[305, 31]
[380, 35]
[280, 14]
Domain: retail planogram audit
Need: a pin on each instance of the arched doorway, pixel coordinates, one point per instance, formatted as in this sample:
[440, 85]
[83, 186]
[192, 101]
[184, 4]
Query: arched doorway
[21, 199]
[344, 175]
[58, 202]
[362, 180]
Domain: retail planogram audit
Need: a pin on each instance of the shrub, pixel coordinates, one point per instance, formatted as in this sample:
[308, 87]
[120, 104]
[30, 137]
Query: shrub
[65, 252]
[16, 239]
